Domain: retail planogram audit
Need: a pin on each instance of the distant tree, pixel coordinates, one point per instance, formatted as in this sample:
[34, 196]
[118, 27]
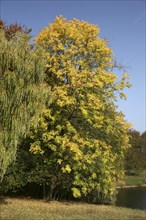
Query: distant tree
[135, 156]
[143, 140]
[13, 29]
[22, 90]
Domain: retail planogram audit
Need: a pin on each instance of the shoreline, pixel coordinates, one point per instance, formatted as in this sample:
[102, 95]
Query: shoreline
[130, 186]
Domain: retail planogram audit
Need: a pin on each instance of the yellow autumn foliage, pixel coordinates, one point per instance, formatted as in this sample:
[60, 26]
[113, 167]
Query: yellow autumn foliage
[86, 136]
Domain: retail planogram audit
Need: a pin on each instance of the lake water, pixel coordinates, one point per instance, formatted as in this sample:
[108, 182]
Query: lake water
[134, 197]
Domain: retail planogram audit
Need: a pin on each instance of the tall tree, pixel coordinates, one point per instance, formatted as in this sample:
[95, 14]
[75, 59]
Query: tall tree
[82, 138]
[22, 91]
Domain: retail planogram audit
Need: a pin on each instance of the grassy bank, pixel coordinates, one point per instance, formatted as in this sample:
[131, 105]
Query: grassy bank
[139, 179]
[29, 209]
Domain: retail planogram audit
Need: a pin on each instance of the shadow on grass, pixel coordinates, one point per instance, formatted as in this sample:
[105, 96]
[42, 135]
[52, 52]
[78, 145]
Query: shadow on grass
[3, 201]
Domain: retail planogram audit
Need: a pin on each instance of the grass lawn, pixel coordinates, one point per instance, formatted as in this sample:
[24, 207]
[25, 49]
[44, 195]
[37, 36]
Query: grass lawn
[30, 209]
[136, 180]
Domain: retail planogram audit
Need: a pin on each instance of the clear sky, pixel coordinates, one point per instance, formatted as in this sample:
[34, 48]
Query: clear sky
[122, 22]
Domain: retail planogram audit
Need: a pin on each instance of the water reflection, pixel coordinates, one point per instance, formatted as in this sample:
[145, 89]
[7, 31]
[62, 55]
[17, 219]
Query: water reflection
[134, 197]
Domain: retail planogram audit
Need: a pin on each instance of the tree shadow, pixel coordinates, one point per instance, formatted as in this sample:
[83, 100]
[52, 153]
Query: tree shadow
[3, 201]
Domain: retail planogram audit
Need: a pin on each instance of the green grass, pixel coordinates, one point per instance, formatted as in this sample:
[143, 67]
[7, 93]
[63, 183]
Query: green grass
[30, 209]
[136, 180]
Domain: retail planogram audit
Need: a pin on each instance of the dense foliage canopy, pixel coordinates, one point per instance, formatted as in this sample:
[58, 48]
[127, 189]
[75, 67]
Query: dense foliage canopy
[79, 145]
[82, 137]
[22, 91]
[135, 159]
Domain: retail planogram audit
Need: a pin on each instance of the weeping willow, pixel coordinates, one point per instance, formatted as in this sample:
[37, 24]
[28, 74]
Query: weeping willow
[22, 92]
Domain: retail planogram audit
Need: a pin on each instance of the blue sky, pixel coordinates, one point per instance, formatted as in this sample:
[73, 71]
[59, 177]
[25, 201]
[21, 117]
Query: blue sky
[122, 22]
